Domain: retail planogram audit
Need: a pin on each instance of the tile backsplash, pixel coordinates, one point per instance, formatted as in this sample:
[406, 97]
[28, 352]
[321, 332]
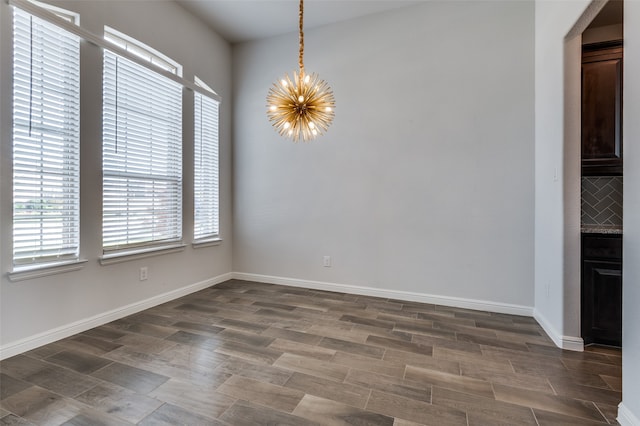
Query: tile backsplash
[602, 200]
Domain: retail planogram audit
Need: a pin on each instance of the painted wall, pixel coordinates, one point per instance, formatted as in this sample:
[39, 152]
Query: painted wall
[40, 305]
[424, 183]
[557, 174]
[631, 240]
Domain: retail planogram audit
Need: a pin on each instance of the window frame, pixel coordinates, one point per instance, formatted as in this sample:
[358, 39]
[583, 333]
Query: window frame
[152, 161]
[206, 153]
[58, 113]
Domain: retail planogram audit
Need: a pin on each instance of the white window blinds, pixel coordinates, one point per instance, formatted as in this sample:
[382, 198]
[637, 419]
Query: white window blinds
[206, 187]
[142, 156]
[46, 114]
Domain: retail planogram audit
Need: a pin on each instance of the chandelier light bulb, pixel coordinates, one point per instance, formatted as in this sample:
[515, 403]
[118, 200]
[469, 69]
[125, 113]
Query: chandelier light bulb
[301, 106]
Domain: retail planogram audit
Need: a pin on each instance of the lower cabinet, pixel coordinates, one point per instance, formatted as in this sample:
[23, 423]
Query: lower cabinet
[602, 289]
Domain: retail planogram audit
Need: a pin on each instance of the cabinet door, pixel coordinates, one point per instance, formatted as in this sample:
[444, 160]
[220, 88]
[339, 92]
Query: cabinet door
[602, 302]
[602, 112]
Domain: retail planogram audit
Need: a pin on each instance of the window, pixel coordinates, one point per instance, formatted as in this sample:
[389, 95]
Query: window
[206, 188]
[142, 155]
[46, 142]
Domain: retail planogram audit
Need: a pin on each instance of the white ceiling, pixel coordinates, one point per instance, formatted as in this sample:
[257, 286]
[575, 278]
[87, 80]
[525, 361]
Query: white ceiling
[242, 20]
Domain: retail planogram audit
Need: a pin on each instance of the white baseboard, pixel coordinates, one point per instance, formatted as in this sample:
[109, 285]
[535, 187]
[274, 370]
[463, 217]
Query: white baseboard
[570, 343]
[626, 417]
[49, 336]
[481, 305]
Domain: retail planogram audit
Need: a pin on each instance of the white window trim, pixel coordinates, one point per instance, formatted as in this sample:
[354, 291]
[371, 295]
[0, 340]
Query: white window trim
[22, 273]
[140, 253]
[67, 15]
[206, 242]
[198, 82]
[156, 58]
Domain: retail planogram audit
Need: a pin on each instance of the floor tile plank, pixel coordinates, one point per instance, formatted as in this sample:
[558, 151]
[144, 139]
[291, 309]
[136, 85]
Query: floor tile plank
[449, 381]
[136, 379]
[312, 366]
[244, 413]
[482, 410]
[129, 405]
[332, 413]
[203, 400]
[557, 404]
[277, 397]
[171, 415]
[78, 361]
[355, 396]
[405, 388]
[415, 411]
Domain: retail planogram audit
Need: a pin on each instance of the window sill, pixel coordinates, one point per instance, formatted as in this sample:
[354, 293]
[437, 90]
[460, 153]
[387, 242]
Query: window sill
[22, 273]
[128, 255]
[207, 242]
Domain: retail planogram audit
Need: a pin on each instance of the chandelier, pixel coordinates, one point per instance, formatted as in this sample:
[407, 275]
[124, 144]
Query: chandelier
[300, 107]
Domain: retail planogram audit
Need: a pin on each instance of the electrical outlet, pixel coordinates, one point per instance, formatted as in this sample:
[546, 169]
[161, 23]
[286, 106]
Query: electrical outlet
[144, 273]
[326, 261]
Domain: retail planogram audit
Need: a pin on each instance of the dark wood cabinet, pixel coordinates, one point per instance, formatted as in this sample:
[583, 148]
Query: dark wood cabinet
[602, 109]
[602, 289]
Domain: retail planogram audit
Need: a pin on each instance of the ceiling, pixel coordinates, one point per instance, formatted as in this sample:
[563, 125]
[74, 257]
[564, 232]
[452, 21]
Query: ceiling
[612, 13]
[243, 20]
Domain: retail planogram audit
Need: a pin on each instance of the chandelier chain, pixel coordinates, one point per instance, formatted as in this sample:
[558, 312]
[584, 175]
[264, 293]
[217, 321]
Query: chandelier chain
[301, 19]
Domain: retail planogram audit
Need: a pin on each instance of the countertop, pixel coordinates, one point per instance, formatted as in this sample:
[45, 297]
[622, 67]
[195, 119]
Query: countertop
[601, 229]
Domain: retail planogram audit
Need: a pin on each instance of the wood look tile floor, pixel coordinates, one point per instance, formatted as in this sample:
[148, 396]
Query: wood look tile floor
[243, 353]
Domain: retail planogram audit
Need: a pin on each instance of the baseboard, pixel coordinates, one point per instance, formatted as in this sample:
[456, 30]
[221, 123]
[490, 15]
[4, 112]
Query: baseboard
[626, 417]
[481, 305]
[67, 330]
[570, 343]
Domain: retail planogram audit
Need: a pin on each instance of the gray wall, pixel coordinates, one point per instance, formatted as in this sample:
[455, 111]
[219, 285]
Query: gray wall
[66, 300]
[631, 239]
[424, 183]
[557, 172]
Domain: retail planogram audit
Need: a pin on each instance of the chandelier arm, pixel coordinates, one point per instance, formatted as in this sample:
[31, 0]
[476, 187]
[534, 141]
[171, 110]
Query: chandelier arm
[301, 39]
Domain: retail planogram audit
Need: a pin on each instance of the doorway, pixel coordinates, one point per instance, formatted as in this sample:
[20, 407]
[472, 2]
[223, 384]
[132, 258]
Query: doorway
[601, 177]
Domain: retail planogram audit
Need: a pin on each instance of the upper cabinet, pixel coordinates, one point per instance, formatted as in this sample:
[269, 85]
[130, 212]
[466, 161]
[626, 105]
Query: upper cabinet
[602, 109]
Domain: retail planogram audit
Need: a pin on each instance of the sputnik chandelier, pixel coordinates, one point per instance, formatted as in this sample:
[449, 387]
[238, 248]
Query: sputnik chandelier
[301, 108]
